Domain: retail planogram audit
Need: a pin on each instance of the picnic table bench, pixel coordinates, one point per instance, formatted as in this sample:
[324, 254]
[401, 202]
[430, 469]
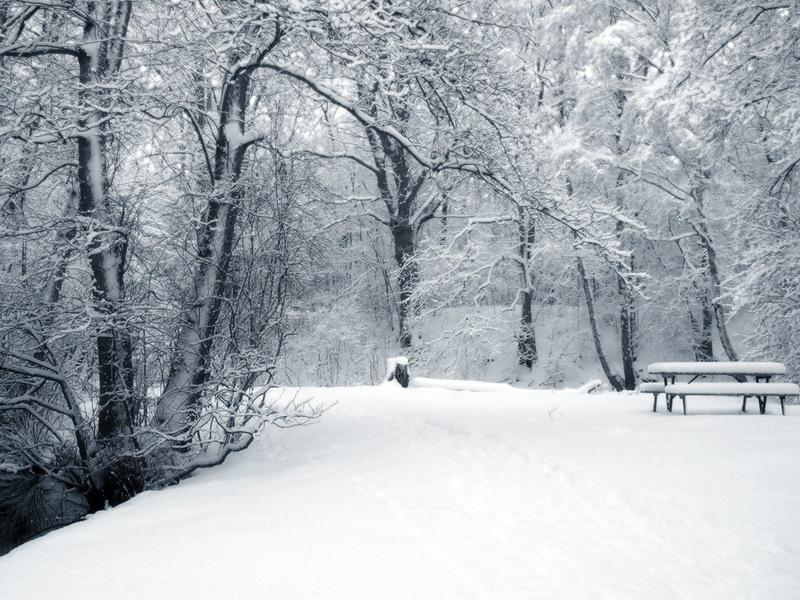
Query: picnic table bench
[760, 388]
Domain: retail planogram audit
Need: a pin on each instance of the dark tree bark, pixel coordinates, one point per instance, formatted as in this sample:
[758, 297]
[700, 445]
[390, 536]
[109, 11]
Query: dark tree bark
[408, 279]
[526, 341]
[699, 301]
[626, 299]
[189, 372]
[615, 382]
[613, 379]
[99, 56]
[400, 373]
[705, 345]
[627, 326]
[108, 250]
[712, 272]
[105, 30]
[702, 331]
[106, 26]
[399, 189]
[626, 334]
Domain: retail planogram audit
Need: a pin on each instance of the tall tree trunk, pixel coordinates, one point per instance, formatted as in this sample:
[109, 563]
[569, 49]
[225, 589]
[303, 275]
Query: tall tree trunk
[61, 253]
[702, 330]
[626, 309]
[177, 408]
[99, 56]
[627, 322]
[705, 345]
[398, 189]
[526, 341]
[626, 334]
[106, 28]
[712, 271]
[403, 238]
[107, 248]
[613, 379]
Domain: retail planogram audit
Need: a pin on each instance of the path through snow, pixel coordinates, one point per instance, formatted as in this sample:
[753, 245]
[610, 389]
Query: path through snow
[431, 493]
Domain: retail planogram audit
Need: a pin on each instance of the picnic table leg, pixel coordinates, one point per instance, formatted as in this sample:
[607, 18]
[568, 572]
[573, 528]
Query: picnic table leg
[683, 399]
[655, 401]
[668, 396]
[783, 411]
[744, 403]
[762, 404]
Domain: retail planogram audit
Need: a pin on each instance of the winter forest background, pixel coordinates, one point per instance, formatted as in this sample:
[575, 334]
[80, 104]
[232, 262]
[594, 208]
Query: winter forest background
[202, 199]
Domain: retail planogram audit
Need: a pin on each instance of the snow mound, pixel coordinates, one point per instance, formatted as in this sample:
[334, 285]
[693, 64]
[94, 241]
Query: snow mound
[461, 385]
[718, 368]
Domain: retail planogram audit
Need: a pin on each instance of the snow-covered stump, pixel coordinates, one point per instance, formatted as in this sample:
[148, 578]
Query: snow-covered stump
[397, 370]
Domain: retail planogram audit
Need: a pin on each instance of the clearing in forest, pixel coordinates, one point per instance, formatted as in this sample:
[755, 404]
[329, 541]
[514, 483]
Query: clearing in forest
[436, 493]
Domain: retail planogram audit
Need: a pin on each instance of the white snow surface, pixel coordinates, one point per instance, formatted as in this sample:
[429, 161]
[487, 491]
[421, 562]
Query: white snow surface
[429, 493]
[462, 385]
[725, 388]
[718, 368]
[651, 386]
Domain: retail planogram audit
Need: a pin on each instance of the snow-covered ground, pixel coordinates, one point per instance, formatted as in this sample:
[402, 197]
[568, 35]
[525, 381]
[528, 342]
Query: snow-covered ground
[434, 493]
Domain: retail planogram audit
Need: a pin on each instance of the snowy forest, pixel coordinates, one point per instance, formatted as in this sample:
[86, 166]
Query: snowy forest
[202, 200]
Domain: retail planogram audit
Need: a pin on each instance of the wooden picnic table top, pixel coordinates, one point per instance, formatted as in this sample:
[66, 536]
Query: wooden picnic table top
[717, 368]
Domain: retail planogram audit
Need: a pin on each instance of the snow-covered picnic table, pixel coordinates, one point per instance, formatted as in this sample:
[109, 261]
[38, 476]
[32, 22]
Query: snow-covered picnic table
[759, 370]
[762, 372]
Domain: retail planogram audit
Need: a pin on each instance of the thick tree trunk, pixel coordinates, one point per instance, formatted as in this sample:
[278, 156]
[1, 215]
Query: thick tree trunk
[705, 345]
[403, 237]
[720, 315]
[120, 476]
[107, 254]
[177, 409]
[712, 272]
[703, 336]
[626, 334]
[398, 189]
[626, 311]
[526, 341]
[626, 319]
[112, 476]
[702, 330]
